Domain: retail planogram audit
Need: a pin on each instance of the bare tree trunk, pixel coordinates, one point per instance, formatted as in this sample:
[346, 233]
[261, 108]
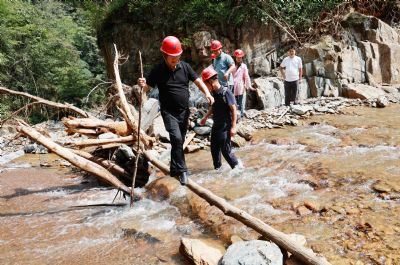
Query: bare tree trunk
[40, 100]
[281, 239]
[97, 142]
[146, 140]
[117, 127]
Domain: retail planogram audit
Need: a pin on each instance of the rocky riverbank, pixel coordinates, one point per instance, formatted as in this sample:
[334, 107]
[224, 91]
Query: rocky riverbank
[251, 121]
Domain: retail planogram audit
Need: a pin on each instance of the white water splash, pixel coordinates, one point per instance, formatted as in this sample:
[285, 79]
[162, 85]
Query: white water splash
[10, 156]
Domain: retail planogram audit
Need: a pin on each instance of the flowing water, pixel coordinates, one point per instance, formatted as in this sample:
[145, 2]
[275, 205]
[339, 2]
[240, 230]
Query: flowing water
[336, 163]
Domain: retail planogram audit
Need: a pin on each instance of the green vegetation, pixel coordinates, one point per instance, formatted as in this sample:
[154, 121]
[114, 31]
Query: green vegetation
[193, 15]
[47, 48]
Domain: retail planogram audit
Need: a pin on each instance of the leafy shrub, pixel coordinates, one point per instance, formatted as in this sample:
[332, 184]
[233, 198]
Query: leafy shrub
[48, 49]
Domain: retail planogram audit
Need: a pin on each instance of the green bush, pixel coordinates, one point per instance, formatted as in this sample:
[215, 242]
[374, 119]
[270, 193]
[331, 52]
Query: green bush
[48, 48]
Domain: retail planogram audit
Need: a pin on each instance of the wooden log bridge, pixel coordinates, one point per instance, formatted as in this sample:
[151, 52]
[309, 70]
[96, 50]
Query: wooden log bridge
[281, 239]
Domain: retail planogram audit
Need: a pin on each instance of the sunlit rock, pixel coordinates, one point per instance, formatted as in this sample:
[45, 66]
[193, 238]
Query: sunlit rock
[253, 252]
[202, 251]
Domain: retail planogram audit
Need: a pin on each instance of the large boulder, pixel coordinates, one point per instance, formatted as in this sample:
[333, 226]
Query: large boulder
[351, 64]
[158, 130]
[149, 113]
[201, 251]
[253, 252]
[304, 90]
[363, 91]
[270, 92]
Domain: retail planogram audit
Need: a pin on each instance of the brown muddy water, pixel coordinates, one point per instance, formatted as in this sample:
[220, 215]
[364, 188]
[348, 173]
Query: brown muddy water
[346, 168]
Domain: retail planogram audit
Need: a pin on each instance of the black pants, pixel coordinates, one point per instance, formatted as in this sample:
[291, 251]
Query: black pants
[221, 143]
[290, 91]
[176, 123]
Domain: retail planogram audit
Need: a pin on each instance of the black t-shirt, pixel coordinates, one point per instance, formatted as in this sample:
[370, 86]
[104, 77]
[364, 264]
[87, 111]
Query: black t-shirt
[221, 111]
[173, 85]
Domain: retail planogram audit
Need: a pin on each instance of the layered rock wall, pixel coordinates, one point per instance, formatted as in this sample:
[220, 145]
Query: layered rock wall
[369, 53]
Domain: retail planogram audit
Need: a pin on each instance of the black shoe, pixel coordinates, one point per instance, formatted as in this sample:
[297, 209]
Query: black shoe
[183, 178]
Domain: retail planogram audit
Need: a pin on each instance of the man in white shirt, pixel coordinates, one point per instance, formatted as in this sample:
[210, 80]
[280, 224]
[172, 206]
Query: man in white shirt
[291, 69]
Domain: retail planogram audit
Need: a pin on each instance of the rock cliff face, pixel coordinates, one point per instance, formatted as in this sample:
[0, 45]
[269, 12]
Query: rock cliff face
[260, 42]
[368, 54]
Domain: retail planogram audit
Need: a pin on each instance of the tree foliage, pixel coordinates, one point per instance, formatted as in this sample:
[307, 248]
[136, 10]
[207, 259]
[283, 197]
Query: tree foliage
[196, 14]
[48, 48]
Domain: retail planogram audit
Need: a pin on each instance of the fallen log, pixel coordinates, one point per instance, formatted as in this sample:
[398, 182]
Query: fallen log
[43, 101]
[82, 131]
[281, 239]
[146, 140]
[74, 159]
[78, 125]
[94, 148]
[96, 142]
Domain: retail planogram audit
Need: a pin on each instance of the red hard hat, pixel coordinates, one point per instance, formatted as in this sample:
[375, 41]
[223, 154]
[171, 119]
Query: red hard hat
[238, 53]
[213, 56]
[171, 46]
[208, 73]
[216, 45]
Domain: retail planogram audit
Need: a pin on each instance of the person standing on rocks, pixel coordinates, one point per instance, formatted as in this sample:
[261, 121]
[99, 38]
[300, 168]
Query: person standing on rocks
[224, 116]
[223, 64]
[241, 81]
[172, 79]
[291, 69]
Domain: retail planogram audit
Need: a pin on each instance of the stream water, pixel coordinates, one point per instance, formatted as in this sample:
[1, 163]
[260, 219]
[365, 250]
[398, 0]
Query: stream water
[346, 166]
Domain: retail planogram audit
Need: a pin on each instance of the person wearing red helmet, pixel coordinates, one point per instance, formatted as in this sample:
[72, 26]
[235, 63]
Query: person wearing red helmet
[223, 64]
[172, 78]
[241, 80]
[224, 117]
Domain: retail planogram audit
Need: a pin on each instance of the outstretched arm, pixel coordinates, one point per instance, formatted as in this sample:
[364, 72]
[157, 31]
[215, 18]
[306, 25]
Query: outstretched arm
[282, 70]
[208, 114]
[247, 81]
[203, 88]
[230, 70]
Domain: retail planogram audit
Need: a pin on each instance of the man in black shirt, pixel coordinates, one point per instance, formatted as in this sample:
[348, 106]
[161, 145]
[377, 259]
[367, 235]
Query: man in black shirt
[172, 79]
[224, 116]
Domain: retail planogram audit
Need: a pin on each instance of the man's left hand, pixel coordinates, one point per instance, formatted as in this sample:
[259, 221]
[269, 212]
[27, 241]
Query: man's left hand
[226, 76]
[210, 99]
